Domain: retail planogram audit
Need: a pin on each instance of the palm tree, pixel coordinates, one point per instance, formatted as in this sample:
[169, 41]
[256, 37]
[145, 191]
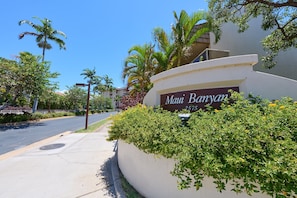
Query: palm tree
[93, 79]
[164, 57]
[99, 87]
[108, 83]
[43, 34]
[90, 75]
[139, 67]
[184, 33]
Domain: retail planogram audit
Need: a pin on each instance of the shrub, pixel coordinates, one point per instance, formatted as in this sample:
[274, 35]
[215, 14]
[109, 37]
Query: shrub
[10, 118]
[131, 100]
[250, 143]
[37, 116]
[80, 113]
[153, 131]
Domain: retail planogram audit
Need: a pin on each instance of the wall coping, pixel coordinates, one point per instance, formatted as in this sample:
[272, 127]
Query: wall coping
[231, 61]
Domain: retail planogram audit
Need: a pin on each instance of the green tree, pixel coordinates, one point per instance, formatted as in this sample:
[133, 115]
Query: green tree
[185, 34]
[164, 56]
[96, 81]
[144, 61]
[139, 67]
[90, 75]
[99, 87]
[108, 84]
[75, 97]
[278, 17]
[93, 79]
[97, 102]
[25, 78]
[34, 74]
[8, 69]
[100, 102]
[49, 99]
[43, 34]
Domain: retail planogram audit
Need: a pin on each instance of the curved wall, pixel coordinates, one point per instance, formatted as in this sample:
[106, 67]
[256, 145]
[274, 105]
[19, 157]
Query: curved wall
[221, 72]
[150, 176]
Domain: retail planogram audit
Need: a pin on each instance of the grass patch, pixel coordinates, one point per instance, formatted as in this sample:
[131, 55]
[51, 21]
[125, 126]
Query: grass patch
[93, 127]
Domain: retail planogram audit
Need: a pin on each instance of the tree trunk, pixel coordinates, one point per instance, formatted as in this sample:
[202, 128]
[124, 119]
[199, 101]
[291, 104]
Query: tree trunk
[35, 104]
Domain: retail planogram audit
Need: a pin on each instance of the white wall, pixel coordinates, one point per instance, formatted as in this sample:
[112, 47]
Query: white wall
[249, 42]
[150, 176]
[222, 72]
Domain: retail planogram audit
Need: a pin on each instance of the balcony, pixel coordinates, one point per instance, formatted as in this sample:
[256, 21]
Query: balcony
[209, 54]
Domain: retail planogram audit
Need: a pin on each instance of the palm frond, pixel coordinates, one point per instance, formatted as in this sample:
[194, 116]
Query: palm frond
[27, 33]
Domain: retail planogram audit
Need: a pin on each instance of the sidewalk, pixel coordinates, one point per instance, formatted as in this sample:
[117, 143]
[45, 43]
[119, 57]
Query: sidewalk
[75, 165]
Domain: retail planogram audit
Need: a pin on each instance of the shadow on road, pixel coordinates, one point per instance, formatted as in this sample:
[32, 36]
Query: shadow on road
[10, 126]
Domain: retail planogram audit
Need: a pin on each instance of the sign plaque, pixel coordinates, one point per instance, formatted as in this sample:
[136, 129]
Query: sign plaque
[194, 100]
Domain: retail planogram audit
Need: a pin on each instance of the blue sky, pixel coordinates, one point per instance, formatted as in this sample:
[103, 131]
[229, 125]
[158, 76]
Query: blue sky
[99, 33]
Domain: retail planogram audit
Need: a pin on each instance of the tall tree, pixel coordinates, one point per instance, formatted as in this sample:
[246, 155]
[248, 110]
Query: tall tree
[44, 33]
[139, 67]
[90, 75]
[184, 33]
[8, 80]
[93, 79]
[108, 83]
[25, 78]
[279, 19]
[35, 74]
[49, 98]
[99, 87]
[164, 56]
[75, 97]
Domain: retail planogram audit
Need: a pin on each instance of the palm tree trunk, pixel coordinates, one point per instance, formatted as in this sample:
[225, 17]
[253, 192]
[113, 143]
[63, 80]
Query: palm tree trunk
[35, 103]
[43, 53]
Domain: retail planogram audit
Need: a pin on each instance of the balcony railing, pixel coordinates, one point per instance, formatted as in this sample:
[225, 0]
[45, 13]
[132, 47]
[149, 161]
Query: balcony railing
[209, 54]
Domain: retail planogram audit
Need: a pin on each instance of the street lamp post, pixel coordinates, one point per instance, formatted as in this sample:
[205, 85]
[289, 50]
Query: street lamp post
[88, 100]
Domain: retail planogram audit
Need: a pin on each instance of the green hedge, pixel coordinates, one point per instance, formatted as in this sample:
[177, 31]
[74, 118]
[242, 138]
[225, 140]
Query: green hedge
[8, 118]
[11, 118]
[251, 140]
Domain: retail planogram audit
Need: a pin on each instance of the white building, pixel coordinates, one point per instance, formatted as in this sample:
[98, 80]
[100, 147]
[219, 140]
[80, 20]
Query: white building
[248, 42]
[115, 95]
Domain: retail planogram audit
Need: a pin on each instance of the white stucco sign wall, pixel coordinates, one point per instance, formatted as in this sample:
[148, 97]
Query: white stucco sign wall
[234, 71]
[191, 86]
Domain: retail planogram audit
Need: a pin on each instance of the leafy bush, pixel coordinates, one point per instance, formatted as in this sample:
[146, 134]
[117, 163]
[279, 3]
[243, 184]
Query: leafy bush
[11, 118]
[153, 131]
[80, 113]
[249, 143]
[131, 100]
[37, 116]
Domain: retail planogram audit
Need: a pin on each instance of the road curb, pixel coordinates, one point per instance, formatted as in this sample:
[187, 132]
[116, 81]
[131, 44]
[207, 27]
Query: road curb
[114, 167]
[116, 177]
[36, 144]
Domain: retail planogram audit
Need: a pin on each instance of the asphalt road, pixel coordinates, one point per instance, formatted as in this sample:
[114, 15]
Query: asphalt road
[21, 135]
